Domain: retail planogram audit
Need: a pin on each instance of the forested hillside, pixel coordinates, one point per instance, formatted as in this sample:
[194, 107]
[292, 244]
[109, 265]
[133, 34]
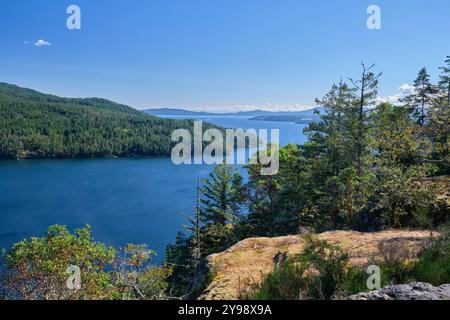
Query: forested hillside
[36, 125]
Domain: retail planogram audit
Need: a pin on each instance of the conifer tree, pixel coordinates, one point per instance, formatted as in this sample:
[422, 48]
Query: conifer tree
[444, 81]
[195, 229]
[366, 90]
[438, 121]
[264, 196]
[335, 137]
[222, 196]
[422, 96]
[399, 146]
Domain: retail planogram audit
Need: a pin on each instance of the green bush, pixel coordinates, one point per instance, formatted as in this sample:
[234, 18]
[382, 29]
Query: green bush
[37, 269]
[434, 262]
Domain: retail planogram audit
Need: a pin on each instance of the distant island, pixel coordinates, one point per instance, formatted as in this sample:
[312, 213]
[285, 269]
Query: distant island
[309, 113]
[35, 125]
[286, 118]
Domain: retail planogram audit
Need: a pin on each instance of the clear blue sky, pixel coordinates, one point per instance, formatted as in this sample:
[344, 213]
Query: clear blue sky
[216, 53]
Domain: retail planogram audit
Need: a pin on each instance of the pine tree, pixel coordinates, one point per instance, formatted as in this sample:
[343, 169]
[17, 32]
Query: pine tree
[292, 199]
[186, 254]
[222, 196]
[399, 145]
[195, 229]
[264, 194]
[366, 89]
[422, 96]
[438, 119]
[444, 80]
[178, 258]
[365, 93]
[336, 141]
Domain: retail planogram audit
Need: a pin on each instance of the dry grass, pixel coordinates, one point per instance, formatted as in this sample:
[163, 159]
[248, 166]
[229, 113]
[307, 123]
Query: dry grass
[250, 260]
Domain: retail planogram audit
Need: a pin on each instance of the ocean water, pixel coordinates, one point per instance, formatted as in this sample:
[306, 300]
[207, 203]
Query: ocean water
[124, 200]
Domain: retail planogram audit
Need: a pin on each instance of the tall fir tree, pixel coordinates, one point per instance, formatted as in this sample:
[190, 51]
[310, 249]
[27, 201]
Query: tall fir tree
[195, 229]
[366, 91]
[178, 258]
[422, 96]
[185, 256]
[334, 139]
[444, 81]
[264, 196]
[222, 196]
[437, 126]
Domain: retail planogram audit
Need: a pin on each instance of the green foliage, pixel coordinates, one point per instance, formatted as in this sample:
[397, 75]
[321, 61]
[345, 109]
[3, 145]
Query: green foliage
[211, 230]
[179, 257]
[339, 152]
[421, 98]
[318, 185]
[38, 265]
[434, 262]
[36, 125]
[37, 269]
[444, 81]
[135, 278]
[403, 199]
[263, 218]
[396, 138]
[430, 265]
[222, 195]
[438, 119]
[400, 194]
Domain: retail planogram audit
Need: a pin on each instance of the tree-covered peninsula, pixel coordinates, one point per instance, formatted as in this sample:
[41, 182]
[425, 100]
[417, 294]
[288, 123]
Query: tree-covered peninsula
[37, 125]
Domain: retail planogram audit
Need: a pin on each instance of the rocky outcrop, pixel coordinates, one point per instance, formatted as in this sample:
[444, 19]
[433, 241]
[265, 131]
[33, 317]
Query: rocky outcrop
[413, 291]
[235, 270]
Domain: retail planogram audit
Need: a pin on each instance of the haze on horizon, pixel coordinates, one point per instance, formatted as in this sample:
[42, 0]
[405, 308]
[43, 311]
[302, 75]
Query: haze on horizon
[216, 56]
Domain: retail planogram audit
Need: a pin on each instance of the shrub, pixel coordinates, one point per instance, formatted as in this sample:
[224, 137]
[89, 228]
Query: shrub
[36, 268]
[434, 261]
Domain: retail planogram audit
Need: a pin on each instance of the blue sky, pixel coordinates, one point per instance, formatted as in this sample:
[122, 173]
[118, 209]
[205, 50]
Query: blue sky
[217, 54]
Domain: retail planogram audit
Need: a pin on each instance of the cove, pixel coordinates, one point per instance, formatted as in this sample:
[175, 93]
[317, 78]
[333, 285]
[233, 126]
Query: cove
[124, 200]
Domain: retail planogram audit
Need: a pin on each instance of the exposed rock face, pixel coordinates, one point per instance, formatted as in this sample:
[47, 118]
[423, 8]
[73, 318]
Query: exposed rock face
[413, 291]
[233, 271]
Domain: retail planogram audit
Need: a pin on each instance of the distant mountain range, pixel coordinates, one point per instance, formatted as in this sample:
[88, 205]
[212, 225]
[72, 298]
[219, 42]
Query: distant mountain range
[187, 113]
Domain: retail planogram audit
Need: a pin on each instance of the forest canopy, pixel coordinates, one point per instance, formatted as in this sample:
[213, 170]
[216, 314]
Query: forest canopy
[37, 125]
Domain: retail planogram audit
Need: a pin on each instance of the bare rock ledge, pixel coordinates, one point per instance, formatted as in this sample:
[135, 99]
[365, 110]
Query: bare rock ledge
[413, 291]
